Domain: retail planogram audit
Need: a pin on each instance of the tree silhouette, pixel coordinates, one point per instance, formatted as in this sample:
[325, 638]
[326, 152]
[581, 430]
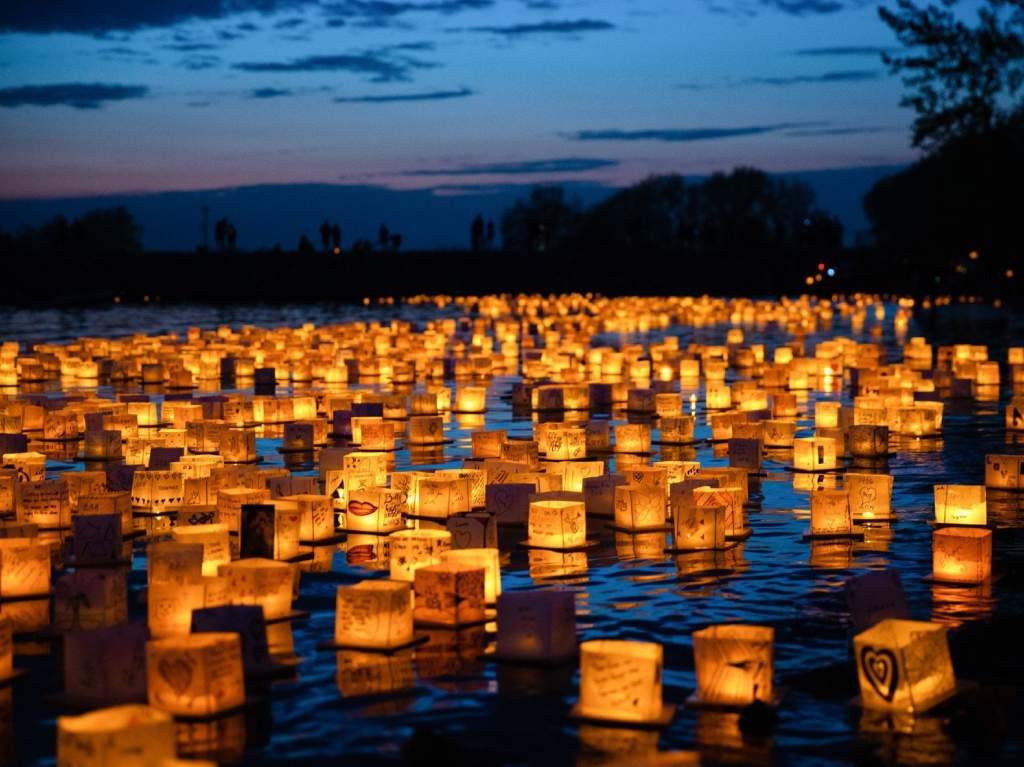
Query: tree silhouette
[396, 242]
[383, 237]
[325, 235]
[220, 232]
[489, 235]
[336, 238]
[543, 223]
[962, 80]
[231, 235]
[476, 234]
[305, 246]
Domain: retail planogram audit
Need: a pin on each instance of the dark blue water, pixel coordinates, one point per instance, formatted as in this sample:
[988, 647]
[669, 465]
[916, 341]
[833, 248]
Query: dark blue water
[461, 710]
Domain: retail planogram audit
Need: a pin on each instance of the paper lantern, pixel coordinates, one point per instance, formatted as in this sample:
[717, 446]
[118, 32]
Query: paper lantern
[734, 664]
[46, 504]
[195, 674]
[426, 430]
[215, 542]
[374, 614]
[316, 516]
[961, 554]
[449, 594]
[1014, 416]
[269, 532]
[264, 582]
[471, 531]
[477, 479]
[374, 510]
[536, 626]
[868, 441]
[718, 396]
[470, 399]
[510, 502]
[440, 496]
[487, 444]
[574, 473]
[960, 505]
[106, 666]
[620, 680]
[557, 524]
[826, 414]
[875, 596]
[90, 599]
[779, 433]
[641, 401]
[412, 549]
[632, 438]
[24, 567]
[174, 562]
[870, 496]
[729, 497]
[676, 429]
[814, 454]
[830, 513]
[157, 490]
[668, 404]
[103, 445]
[903, 665]
[698, 527]
[169, 604]
[563, 443]
[1004, 472]
[131, 735]
[230, 501]
[484, 558]
[639, 507]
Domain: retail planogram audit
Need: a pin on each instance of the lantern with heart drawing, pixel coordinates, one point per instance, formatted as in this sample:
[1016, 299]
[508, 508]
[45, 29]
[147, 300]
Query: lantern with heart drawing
[904, 665]
[195, 674]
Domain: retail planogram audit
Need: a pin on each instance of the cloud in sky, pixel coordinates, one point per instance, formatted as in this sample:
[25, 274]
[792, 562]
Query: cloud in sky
[842, 50]
[845, 76]
[76, 95]
[557, 165]
[378, 66]
[399, 97]
[682, 134]
[789, 7]
[821, 132]
[573, 27]
[268, 93]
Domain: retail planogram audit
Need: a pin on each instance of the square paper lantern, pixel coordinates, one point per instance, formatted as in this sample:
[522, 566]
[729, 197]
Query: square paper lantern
[169, 605]
[230, 501]
[487, 444]
[90, 598]
[814, 454]
[106, 666]
[441, 495]
[639, 507]
[718, 396]
[960, 505]
[830, 513]
[510, 502]
[485, 558]
[107, 502]
[449, 594]
[102, 445]
[537, 626]
[46, 504]
[677, 429]
[195, 674]
[826, 414]
[374, 615]
[1014, 416]
[564, 443]
[412, 549]
[903, 666]
[174, 562]
[734, 664]
[316, 516]
[870, 496]
[214, 539]
[729, 497]
[24, 567]
[374, 510]
[868, 440]
[779, 433]
[264, 582]
[131, 735]
[557, 524]
[478, 530]
[961, 554]
[1004, 472]
[426, 430]
[632, 438]
[745, 453]
[620, 680]
[269, 532]
[477, 486]
[470, 399]
[157, 490]
[698, 527]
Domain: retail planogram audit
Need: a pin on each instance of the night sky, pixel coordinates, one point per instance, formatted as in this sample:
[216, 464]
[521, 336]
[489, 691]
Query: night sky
[105, 96]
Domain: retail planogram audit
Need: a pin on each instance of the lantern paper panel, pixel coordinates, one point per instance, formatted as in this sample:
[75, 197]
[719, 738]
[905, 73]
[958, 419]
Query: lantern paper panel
[264, 582]
[132, 735]
[375, 510]
[412, 549]
[510, 502]
[269, 532]
[728, 497]
[90, 598]
[374, 614]
[195, 674]
[870, 496]
[620, 680]
[830, 513]
[537, 625]
[450, 594]
[1004, 472]
[557, 524]
[699, 527]
[24, 567]
[106, 666]
[639, 507]
[215, 542]
[960, 505]
[814, 453]
[734, 664]
[169, 605]
[174, 562]
[486, 558]
[903, 665]
[961, 554]
[477, 530]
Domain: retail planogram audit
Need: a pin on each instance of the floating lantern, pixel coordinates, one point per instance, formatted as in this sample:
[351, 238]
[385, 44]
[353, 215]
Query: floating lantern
[961, 554]
[868, 441]
[476, 530]
[230, 501]
[374, 615]
[510, 502]
[564, 443]
[830, 513]
[374, 510]
[215, 542]
[195, 674]
[557, 524]
[46, 504]
[639, 507]
[875, 596]
[1004, 472]
[677, 429]
[1014, 416]
[641, 401]
[412, 549]
[697, 527]
[632, 438]
[174, 562]
[106, 666]
[487, 444]
[779, 433]
[536, 626]
[96, 539]
[441, 496]
[269, 532]
[24, 567]
[620, 681]
[814, 454]
[316, 516]
[826, 414]
[870, 496]
[102, 445]
[745, 453]
[157, 490]
[904, 666]
[131, 735]
[734, 664]
[426, 430]
[960, 505]
[470, 399]
[90, 599]
[573, 474]
[729, 497]
[169, 604]
[718, 396]
[264, 582]
[449, 594]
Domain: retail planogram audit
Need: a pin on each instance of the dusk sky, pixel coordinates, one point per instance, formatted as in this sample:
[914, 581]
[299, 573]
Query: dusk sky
[107, 96]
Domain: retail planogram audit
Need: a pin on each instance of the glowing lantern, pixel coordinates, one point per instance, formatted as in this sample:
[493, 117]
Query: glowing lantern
[215, 542]
[374, 510]
[641, 401]
[131, 735]
[814, 454]
[316, 516]
[169, 604]
[441, 496]
[157, 490]
[729, 497]
[1014, 416]
[485, 558]
[868, 440]
[449, 594]
[269, 532]
[262, 582]
[826, 414]
[230, 501]
[477, 479]
[697, 527]
[102, 445]
[676, 429]
[830, 513]
[564, 443]
[718, 396]
[557, 524]
[196, 674]
[961, 554]
[903, 665]
[171, 562]
[620, 681]
[470, 399]
[870, 496]
[1004, 472]
[374, 615]
[960, 505]
[24, 567]
[412, 549]
[537, 626]
[639, 507]
[632, 438]
[734, 664]
[487, 444]
[779, 433]
[46, 504]
[90, 599]
[426, 430]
